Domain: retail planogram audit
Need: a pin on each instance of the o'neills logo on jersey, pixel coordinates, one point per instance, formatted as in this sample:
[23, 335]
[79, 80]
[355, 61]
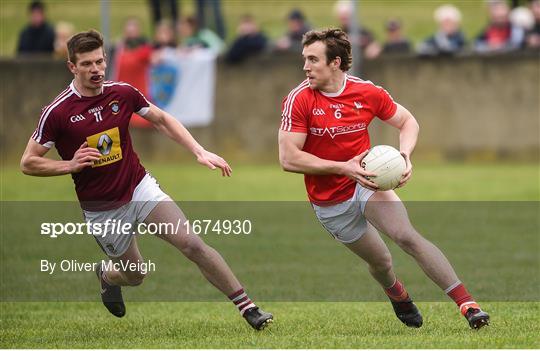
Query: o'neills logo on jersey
[96, 111]
[338, 130]
[108, 144]
[336, 106]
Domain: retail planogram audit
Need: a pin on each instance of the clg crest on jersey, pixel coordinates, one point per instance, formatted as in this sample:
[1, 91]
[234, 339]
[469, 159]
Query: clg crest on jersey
[115, 106]
[357, 107]
[163, 82]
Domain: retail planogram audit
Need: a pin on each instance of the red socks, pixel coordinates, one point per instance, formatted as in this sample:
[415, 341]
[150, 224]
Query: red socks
[397, 292]
[458, 293]
[461, 297]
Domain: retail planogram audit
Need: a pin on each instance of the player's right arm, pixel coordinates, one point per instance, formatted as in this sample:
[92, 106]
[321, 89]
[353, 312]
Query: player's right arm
[293, 159]
[34, 162]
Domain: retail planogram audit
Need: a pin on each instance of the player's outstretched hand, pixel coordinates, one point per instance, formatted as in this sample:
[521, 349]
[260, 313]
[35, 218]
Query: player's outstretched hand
[354, 170]
[408, 170]
[84, 157]
[214, 161]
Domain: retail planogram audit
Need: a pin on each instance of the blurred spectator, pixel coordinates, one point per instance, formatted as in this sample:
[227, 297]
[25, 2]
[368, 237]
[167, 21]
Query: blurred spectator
[203, 7]
[449, 39]
[164, 38]
[395, 43]
[296, 28]
[192, 36]
[249, 41]
[38, 36]
[523, 18]
[516, 3]
[370, 48]
[156, 7]
[500, 35]
[532, 38]
[131, 59]
[64, 31]
[164, 35]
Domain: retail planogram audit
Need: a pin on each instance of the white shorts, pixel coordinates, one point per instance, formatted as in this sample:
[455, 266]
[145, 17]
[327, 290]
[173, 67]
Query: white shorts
[345, 221]
[146, 196]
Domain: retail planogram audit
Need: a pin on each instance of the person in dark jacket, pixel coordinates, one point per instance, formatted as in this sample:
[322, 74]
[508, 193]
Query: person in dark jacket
[38, 36]
[297, 26]
[250, 41]
[449, 39]
[395, 42]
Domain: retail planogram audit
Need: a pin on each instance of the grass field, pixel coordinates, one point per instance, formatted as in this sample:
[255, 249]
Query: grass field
[431, 182]
[302, 278]
[297, 325]
[417, 15]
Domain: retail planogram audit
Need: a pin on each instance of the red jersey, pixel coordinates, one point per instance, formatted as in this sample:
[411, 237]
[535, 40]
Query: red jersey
[132, 65]
[336, 127]
[498, 35]
[102, 121]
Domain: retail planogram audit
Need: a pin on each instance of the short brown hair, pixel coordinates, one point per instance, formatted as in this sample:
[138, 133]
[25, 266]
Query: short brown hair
[84, 42]
[337, 45]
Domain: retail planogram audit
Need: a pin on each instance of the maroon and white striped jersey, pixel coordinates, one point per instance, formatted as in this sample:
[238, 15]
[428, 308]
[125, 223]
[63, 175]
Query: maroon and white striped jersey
[102, 121]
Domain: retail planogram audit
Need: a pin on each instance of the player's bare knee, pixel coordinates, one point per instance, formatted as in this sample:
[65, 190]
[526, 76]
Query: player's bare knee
[193, 249]
[408, 240]
[383, 264]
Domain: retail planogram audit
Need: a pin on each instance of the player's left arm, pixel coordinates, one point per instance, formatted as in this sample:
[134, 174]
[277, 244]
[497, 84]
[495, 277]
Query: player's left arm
[408, 135]
[171, 127]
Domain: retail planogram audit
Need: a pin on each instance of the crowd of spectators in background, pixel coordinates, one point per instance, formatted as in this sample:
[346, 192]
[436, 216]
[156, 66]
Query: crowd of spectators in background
[507, 30]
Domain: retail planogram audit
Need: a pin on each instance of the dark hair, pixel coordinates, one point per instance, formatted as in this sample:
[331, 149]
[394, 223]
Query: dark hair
[296, 15]
[36, 5]
[337, 45]
[393, 25]
[84, 42]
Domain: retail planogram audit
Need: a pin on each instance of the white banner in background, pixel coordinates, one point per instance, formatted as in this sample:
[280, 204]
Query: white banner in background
[183, 84]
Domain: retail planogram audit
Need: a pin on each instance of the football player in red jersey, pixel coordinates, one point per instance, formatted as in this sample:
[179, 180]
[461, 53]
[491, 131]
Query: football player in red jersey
[88, 123]
[324, 135]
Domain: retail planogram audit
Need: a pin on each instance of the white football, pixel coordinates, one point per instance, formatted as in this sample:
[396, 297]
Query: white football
[387, 163]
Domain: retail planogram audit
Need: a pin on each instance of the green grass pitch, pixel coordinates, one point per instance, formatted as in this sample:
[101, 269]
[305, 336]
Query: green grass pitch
[190, 314]
[297, 325]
